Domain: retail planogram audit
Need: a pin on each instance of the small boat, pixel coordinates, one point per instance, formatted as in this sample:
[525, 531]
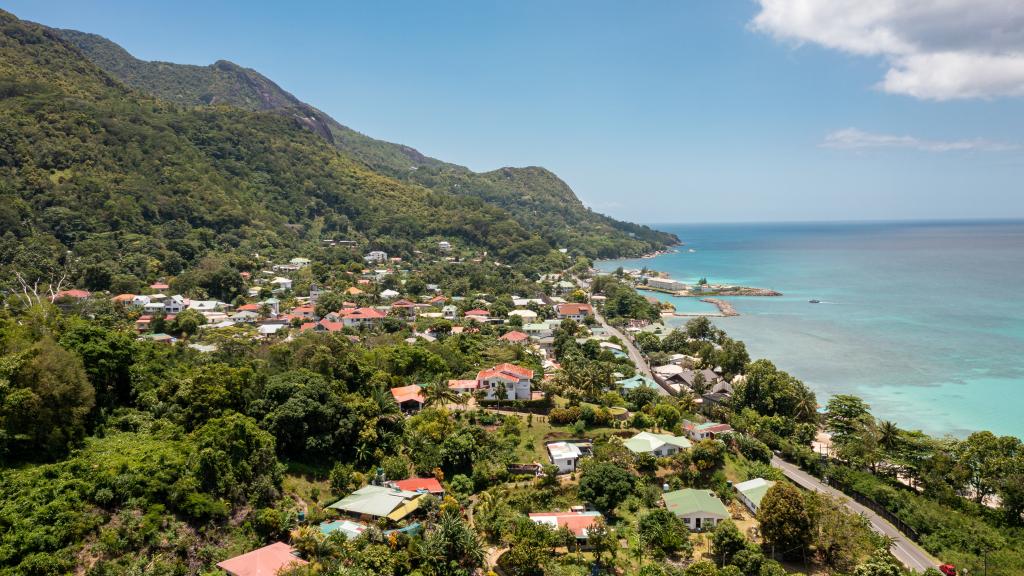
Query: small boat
[691, 250]
[815, 301]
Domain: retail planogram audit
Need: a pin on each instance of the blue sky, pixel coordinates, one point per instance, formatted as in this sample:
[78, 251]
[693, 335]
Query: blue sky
[654, 111]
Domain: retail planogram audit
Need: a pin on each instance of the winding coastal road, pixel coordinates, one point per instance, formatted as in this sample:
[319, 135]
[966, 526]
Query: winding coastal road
[905, 550]
[634, 353]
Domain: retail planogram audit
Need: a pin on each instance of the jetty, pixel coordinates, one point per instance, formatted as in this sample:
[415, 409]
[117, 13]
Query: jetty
[724, 307]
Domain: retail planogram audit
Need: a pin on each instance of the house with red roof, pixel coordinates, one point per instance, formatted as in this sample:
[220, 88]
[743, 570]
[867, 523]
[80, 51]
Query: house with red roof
[515, 337]
[477, 314]
[306, 311]
[578, 522]
[403, 307]
[266, 561]
[324, 325]
[73, 294]
[574, 311]
[357, 317]
[248, 308]
[515, 380]
[428, 485]
[159, 286]
[437, 301]
[409, 398]
[463, 386]
[125, 299]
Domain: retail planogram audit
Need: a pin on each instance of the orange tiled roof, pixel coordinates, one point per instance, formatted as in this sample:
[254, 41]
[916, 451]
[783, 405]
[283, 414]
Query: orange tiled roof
[407, 393]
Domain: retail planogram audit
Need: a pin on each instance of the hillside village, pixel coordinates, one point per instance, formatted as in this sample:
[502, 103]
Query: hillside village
[614, 464]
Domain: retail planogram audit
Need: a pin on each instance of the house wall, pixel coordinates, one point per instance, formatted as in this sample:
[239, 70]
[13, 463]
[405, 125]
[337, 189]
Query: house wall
[565, 465]
[705, 522]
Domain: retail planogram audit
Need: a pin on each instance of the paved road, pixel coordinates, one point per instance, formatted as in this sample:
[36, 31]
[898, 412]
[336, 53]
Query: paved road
[904, 549]
[634, 353]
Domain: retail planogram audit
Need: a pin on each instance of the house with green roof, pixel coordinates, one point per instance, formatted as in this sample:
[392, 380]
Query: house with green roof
[699, 509]
[374, 502]
[636, 382]
[657, 444]
[752, 491]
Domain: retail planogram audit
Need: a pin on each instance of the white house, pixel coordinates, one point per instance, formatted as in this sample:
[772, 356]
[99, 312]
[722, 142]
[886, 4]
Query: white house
[175, 304]
[376, 256]
[444, 246]
[299, 262]
[660, 445]
[281, 284]
[140, 301]
[752, 491]
[389, 294]
[206, 305]
[153, 307]
[698, 509]
[564, 455]
[515, 380]
[449, 312]
[528, 316]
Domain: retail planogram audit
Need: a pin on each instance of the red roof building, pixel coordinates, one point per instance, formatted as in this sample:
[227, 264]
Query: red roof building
[574, 311]
[159, 286]
[249, 308]
[122, 298]
[73, 293]
[408, 397]
[266, 561]
[514, 336]
[463, 386]
[430, 485]
[578, 522]
[477, 312]
[360, 316]
[515, 380]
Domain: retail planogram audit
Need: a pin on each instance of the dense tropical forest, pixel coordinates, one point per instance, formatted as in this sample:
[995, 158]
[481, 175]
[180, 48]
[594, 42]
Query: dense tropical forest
[533, 196]
[237, 337]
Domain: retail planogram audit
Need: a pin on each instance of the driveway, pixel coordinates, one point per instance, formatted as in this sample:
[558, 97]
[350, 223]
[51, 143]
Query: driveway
[904, 549]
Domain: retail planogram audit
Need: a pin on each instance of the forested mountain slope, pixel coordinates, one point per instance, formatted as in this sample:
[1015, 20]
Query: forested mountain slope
[534, 196]
[95, 172]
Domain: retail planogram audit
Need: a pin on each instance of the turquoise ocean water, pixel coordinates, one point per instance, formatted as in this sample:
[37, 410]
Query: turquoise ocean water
[925, 321]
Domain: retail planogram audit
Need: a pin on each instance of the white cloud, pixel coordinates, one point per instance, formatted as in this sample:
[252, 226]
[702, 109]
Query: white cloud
[935, 49]
[854, 139]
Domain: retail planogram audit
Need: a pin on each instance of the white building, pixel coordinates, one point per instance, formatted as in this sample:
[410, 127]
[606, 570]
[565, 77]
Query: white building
[299, 262]
[376, 256]
[175, 304]
[449, 312]
[528, 316]
[515, 380]
[666, 284]
[564, 455]
[659, 445]
[281, 284]
[444, 246]
[752, 491]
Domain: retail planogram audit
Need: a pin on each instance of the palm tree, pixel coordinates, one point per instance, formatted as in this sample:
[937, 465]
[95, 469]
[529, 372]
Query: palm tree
[889, 436]
[806, 407]
[439, 394]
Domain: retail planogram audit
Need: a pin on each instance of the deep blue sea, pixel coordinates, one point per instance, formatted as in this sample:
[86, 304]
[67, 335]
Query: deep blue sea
[925, 321]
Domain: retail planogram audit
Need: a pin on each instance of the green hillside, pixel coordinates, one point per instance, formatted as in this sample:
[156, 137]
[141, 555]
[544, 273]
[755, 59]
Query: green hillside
[533, 196]
[133, 187]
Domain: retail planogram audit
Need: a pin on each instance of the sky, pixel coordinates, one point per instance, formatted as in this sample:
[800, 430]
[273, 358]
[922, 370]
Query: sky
[655, 111]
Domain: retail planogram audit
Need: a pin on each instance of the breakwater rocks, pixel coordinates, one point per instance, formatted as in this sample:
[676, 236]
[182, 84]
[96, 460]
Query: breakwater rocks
[724, 307]
[743, 291]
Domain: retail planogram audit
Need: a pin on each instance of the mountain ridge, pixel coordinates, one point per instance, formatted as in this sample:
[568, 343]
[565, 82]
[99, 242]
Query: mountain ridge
[529, 193]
